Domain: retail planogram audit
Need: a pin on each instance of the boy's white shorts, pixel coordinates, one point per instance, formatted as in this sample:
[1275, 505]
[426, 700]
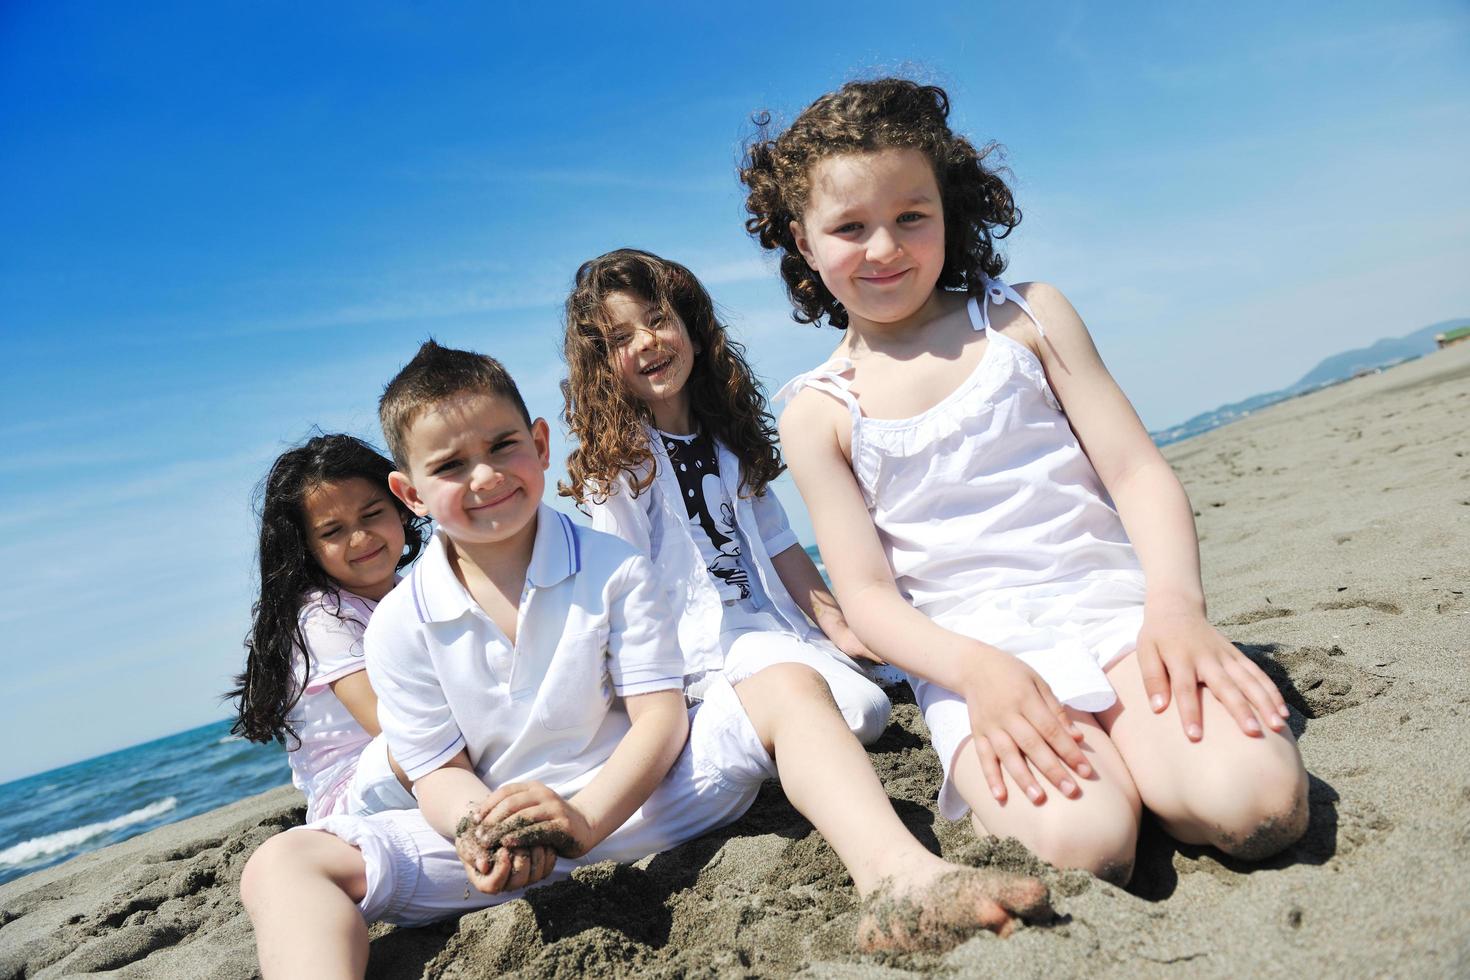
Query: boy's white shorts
[415, 877]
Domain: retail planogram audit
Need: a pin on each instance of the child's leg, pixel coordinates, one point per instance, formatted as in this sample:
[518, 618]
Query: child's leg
[827, 776]
[311, 891]
[862, 703]
[301, 890]
[1097, 831]
[1245, 795]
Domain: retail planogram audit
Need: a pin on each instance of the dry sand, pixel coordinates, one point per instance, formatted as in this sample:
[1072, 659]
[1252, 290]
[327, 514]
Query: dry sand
[1336, 537]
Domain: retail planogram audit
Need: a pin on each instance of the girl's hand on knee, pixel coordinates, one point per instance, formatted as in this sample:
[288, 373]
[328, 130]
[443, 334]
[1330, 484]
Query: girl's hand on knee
[1018, 724]
[1178, 652]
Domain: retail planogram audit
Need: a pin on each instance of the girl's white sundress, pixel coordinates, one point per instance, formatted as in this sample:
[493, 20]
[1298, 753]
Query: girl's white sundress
[997, 527]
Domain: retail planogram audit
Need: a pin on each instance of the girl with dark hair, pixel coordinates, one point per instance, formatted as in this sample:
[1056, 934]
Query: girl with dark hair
[994, 517]
[332, 539]
[675, 455]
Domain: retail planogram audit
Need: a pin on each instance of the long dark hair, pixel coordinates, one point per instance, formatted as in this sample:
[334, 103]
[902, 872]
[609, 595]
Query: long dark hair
[268, 688]
[608, 421]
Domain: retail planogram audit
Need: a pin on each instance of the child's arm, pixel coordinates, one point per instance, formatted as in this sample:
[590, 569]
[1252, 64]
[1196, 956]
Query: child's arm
[1013, 713]
[639, 763]
[334, 645]
[799, 574]
[1178, 649]
[356, 694]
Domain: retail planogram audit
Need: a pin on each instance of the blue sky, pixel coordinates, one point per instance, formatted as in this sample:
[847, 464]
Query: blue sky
[226, 223]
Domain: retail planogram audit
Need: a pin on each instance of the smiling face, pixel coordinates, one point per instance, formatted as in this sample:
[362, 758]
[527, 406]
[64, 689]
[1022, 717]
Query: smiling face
[476, 468]
[355, 533]
[873, 229]
[652, 355]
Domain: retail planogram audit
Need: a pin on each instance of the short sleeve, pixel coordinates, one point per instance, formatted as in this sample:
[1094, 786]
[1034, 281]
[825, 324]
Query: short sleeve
[333, 635]
[624, 516]
[412, 708]
[643, 644]
[771, 523]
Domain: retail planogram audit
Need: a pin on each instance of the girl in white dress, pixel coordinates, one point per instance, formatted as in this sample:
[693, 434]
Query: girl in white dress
[996, 521]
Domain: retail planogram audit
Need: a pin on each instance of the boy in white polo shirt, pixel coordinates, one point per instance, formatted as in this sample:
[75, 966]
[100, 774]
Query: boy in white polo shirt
[522, 653]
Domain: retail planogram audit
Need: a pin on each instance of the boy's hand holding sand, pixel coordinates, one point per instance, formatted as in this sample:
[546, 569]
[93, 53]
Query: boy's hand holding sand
[492, 866]
[532, 815]
[521, 815]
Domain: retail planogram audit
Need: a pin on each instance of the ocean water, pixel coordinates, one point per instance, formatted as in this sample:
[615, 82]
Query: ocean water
[52, 816]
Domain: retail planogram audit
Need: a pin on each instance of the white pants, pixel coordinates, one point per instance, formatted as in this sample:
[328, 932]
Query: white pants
[415, 877]
[754, 639]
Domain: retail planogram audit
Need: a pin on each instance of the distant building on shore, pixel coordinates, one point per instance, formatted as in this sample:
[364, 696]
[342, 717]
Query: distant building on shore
[1457, 336]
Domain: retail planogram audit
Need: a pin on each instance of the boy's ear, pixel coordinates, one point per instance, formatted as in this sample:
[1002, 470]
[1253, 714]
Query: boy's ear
[403, 489]
[798, 232]
[541, 436]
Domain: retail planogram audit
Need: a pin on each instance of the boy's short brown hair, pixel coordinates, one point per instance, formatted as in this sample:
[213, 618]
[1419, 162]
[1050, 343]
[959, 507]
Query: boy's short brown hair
[435, 375]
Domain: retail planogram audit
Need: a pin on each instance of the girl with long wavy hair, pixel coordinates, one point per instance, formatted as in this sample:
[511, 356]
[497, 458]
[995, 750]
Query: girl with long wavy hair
[675, 454]
[332, 539]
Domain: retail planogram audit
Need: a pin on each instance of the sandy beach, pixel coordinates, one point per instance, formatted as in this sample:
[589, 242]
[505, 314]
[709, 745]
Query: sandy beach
[1335, 531]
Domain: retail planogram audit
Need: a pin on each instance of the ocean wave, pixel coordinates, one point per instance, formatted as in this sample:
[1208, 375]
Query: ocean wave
[66, 840]
[228, 739]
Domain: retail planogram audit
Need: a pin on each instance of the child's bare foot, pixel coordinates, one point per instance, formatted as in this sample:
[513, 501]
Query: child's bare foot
[933, 912]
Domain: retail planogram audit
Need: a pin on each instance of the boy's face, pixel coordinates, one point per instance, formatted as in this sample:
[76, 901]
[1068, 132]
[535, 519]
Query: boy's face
[475, 468]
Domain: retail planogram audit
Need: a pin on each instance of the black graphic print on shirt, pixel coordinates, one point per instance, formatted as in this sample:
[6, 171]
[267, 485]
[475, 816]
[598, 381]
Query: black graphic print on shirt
[711, 515]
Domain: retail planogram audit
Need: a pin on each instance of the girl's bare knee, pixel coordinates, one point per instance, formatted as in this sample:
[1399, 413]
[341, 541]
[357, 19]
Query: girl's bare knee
[1105, 848]
[1273, 818]
[1101, 839]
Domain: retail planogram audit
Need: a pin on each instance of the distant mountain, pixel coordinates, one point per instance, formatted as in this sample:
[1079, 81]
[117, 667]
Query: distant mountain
[1391, 350]
[1334, 369]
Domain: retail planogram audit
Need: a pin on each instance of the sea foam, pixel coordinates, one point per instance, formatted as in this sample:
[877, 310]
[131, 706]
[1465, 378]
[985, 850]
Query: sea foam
[65, 840]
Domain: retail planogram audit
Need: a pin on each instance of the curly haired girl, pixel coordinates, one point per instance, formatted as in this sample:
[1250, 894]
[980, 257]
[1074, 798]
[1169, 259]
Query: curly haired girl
[675, 453]
[332, 538]
[994, 517]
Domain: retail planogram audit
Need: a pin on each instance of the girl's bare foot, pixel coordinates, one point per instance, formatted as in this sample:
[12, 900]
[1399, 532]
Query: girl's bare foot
[933, 912]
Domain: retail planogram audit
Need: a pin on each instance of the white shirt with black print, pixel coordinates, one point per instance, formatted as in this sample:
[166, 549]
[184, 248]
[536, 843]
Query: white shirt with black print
[711, 512]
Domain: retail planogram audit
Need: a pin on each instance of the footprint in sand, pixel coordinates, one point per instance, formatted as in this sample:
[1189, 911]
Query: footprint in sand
[1256, 615]
[1376, 605]
[1317, 681]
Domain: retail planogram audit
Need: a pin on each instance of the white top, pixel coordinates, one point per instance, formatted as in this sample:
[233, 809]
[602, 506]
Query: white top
[696, 465]
[989, 490]
[331, 739]
[591, 626]
[657, 524]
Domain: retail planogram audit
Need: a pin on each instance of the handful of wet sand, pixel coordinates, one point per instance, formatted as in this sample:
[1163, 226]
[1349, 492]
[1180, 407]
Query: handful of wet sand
[476, 843]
